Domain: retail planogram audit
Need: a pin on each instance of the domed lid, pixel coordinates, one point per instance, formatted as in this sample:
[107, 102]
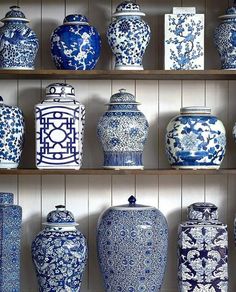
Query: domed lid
[6, 198]
[202, 212]
[75, 19]
[60, 217]
[132, 206]
[15, 14]
[127, 8]
[230, 12]
[195, 110]
[60, 90]
[123, 97]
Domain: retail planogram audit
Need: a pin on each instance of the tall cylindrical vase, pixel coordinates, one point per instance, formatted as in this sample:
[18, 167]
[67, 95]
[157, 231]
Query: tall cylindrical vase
[10, 237]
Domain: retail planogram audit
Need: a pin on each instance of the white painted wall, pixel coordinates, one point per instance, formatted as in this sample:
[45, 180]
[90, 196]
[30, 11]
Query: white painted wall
[87, 196]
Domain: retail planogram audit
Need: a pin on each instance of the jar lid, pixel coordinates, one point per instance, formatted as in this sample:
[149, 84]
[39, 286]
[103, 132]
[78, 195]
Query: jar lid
[132, 206]
[6, 198]
[76, 18]
[123, 97]
[60, 90]
[230, 12]
[127, 8]
[202, 212]
[195, 110]
[60, 217]
[15, 14]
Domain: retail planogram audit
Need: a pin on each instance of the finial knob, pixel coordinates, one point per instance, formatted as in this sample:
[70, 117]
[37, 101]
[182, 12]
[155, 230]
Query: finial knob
[132, 200]
[60, 207]
[15, 7]
[123, 90]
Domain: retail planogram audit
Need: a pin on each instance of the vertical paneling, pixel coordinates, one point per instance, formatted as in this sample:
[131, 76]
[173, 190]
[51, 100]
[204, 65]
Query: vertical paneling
[231, 148]
[147, 191]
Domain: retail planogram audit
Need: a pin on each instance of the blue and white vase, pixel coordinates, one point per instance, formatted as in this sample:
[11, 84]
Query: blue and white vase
[195, 139]
[60, 121]
[225, 39]
[59, 253]
[128, 36]
[132, 243]
[18, 43]
[75, 45]
[10, 242]
[203, 251]
[12, 130]
[123, 131]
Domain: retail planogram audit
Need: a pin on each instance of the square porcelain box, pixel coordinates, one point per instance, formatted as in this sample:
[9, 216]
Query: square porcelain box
[184, 39]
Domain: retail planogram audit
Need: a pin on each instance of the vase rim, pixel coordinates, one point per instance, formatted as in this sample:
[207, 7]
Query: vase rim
[195, 110]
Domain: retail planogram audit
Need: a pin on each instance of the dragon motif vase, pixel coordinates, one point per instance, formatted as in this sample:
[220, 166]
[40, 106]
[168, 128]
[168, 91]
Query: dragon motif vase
[18, 43]
[12, 130]
[225, 39]
[203, 251]
[75, 45]
[132, 242]
[195, 139]
[10, 242]
[123, 131]
[59, 253]
[60, 120]
[128, 36]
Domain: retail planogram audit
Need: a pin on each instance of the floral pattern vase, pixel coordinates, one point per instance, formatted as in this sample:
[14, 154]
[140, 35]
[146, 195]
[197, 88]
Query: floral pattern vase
[123, 131]
[18, 43]
[10, 242]
[128, 36]
[225, 38]
[75, 45]
[132, 242]
[59, 253]
[203, 251]
[195, 139]
[60, 120]
[12, 129]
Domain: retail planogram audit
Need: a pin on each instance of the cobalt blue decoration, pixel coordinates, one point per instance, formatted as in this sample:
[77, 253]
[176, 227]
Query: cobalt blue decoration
[132, 242]
[10, 241]
[225, 38]
[18, 43]
[60, 120]
[59, 253]
[128, 36]
[123, 131]
[75, 45]
[12, 129]
[203, 251]
[195, 139]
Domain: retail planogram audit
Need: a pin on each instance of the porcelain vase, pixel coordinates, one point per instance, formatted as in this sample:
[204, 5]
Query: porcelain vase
[123, 131]
[195, 139]
[203, 251]
[10, 243]
[12, 130]
[18, 43]
[128, 36]
[132, 242]
[75, 45]
[59, 253]
[60, 120]
[225, 39]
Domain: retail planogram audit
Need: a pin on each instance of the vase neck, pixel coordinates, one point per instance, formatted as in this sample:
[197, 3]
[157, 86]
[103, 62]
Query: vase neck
[6, 198]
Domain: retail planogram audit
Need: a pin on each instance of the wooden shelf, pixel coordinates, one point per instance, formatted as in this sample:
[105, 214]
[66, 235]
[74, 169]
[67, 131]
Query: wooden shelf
[116, 74]
[116, 172]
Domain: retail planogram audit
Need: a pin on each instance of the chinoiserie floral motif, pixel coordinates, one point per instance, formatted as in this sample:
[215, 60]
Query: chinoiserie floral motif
[12, 129]
[59, 253]
[128, 36]
[60, 121]
[195, 140]
[75, 45]
[225, 39]
[184, 41]
[18, 43]
[132, 243]
[10, 242]
[123, 131]
[203, 252]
